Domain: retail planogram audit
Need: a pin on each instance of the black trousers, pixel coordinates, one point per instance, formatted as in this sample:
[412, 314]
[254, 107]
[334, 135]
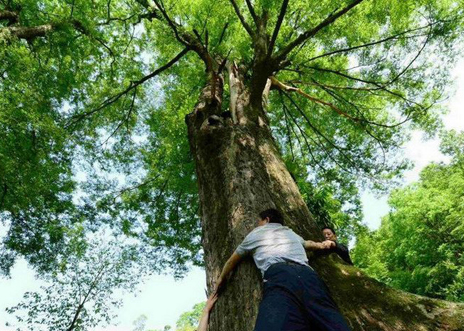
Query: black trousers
[296, 299]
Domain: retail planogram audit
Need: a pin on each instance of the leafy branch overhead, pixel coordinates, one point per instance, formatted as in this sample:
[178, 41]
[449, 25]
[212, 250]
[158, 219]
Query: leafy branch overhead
[102, 88]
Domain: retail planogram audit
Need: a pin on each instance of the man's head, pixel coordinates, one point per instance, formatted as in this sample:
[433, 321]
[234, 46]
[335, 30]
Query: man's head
[329, 233]
[270, 216]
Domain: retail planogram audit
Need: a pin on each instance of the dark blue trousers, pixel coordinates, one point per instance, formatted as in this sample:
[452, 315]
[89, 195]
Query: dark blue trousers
[296, 299]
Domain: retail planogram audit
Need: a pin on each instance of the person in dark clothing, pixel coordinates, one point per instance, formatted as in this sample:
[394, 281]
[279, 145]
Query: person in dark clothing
[334, 246]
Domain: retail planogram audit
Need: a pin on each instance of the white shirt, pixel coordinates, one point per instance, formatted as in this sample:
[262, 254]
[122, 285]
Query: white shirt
[273, 243]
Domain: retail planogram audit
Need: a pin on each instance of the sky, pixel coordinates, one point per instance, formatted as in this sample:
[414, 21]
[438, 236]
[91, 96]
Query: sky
[162, 299]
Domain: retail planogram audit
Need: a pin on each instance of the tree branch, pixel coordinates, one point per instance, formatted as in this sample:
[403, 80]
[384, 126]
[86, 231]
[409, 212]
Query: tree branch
[289, 136]
[283, 10]
[412, 61]
[318, 132]
[146, 5]
[334, 87]
[76, 315]
[187, 39]
[125, 119]
[152, 11]
[10, 16]
[305, 136]
[133, 85]
[132, 188]
[363, 119]
[242, 19]
[171, 23]
[252, 12]
[348, 49]
[28, 33]
[221, 37]
[379, 141]
[383, 86]
[379, 85]
[310, 33]
[289, 114]
[81, 304]
[287, 88]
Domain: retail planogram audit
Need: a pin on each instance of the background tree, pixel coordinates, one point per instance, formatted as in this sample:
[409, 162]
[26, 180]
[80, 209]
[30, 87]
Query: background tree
[83, 294]
[166, 328]
[330, 89]
[140, 322]
[418, 247]
[189, 320]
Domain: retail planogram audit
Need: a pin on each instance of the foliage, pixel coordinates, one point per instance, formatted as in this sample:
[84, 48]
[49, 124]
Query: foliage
[92, 115]
[139, 323]
[82, 294]
[166, 328]
[189, 320]
[419, 246]
[46, 160]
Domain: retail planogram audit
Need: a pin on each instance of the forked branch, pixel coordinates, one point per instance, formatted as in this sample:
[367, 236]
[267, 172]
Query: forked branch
[242, 19]
[312, 32]
[287, 88]
[280, 19]
[319, 134]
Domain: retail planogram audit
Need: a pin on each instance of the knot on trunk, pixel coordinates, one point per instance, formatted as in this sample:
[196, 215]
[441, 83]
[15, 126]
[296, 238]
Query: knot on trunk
[217, 121]
[212, 122]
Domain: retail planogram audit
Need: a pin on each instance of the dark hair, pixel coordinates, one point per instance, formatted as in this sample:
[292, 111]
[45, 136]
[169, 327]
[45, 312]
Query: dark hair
[274, 216]
[330, 228]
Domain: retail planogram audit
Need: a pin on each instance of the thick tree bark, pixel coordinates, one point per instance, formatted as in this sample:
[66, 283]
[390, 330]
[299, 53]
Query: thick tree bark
[10, 16]
[23, 32]
[32, 32]
[241, 173]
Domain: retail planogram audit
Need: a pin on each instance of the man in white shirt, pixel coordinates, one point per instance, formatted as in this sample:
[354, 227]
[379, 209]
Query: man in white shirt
[294, 298]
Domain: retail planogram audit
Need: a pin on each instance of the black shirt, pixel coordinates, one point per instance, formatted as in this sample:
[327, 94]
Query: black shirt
[340, 249]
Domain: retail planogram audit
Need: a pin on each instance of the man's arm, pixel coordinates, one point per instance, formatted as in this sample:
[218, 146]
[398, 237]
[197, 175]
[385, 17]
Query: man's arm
[226, 270]
[313, 246]
[203, 325]
[228, 267]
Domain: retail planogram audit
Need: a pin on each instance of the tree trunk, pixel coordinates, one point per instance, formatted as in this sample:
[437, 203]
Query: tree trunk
[240, 173]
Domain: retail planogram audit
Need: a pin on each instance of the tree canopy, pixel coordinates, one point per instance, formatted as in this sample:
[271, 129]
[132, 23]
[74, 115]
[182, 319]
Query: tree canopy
[93, 97]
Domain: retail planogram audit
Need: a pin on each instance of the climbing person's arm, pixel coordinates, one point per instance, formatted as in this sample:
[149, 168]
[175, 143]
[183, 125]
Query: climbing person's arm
[203, 325]
[245, 248]
[227, 269]
[314, 246]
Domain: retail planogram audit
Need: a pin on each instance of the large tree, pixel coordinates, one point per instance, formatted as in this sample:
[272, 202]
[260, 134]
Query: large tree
[326, 89]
